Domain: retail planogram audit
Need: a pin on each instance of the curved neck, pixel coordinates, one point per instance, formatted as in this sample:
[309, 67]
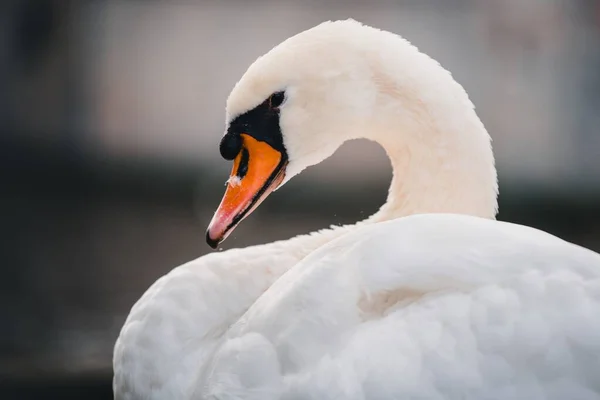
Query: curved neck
[440, 151]
[439, 176]
[436, 169]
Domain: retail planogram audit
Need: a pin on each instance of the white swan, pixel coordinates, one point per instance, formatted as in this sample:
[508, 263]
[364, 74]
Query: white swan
[429, 306]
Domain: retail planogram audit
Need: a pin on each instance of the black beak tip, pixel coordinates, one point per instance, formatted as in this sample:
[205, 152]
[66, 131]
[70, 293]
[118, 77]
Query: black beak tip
[213, 243]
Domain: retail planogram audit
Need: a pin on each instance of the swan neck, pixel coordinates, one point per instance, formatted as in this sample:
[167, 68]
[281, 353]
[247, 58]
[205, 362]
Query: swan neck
[441, 157]
[442, 177]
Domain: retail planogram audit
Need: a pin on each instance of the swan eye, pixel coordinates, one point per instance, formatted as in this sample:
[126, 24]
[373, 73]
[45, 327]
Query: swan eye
[276, 99]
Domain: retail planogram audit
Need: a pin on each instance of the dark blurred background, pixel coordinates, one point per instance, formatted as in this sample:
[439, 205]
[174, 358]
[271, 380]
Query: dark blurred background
[110, 117]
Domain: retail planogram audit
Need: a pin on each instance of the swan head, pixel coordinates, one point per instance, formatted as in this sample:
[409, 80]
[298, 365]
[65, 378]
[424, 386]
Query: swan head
[299, 102]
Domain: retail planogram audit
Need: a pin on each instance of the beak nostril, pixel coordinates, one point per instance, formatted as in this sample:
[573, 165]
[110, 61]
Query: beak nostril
[243, 168]
[230, 146]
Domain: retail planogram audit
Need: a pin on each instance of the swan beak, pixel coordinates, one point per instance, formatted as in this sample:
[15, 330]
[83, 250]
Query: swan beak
[257, 170]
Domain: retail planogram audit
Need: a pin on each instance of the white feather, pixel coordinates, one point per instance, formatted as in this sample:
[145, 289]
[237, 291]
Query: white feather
[234, 180]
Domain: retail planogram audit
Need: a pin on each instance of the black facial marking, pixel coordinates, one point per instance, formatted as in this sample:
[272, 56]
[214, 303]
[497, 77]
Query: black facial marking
[262, 123]
[243, 168]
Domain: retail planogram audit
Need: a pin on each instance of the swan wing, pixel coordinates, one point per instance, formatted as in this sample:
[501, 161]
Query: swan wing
[427, 307]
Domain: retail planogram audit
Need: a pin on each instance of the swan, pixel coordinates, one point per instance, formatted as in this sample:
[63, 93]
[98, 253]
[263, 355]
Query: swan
[429, 298]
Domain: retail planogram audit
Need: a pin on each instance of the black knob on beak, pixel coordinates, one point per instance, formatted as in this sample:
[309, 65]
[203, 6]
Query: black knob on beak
[230, 146]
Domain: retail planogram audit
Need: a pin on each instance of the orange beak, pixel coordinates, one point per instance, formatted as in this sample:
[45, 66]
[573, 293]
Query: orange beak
[257, 170]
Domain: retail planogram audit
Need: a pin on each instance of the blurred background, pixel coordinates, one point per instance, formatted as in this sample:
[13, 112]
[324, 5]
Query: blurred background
[110, 118]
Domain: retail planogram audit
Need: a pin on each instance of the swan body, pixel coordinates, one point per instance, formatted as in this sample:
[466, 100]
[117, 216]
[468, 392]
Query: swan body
[430, 298]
